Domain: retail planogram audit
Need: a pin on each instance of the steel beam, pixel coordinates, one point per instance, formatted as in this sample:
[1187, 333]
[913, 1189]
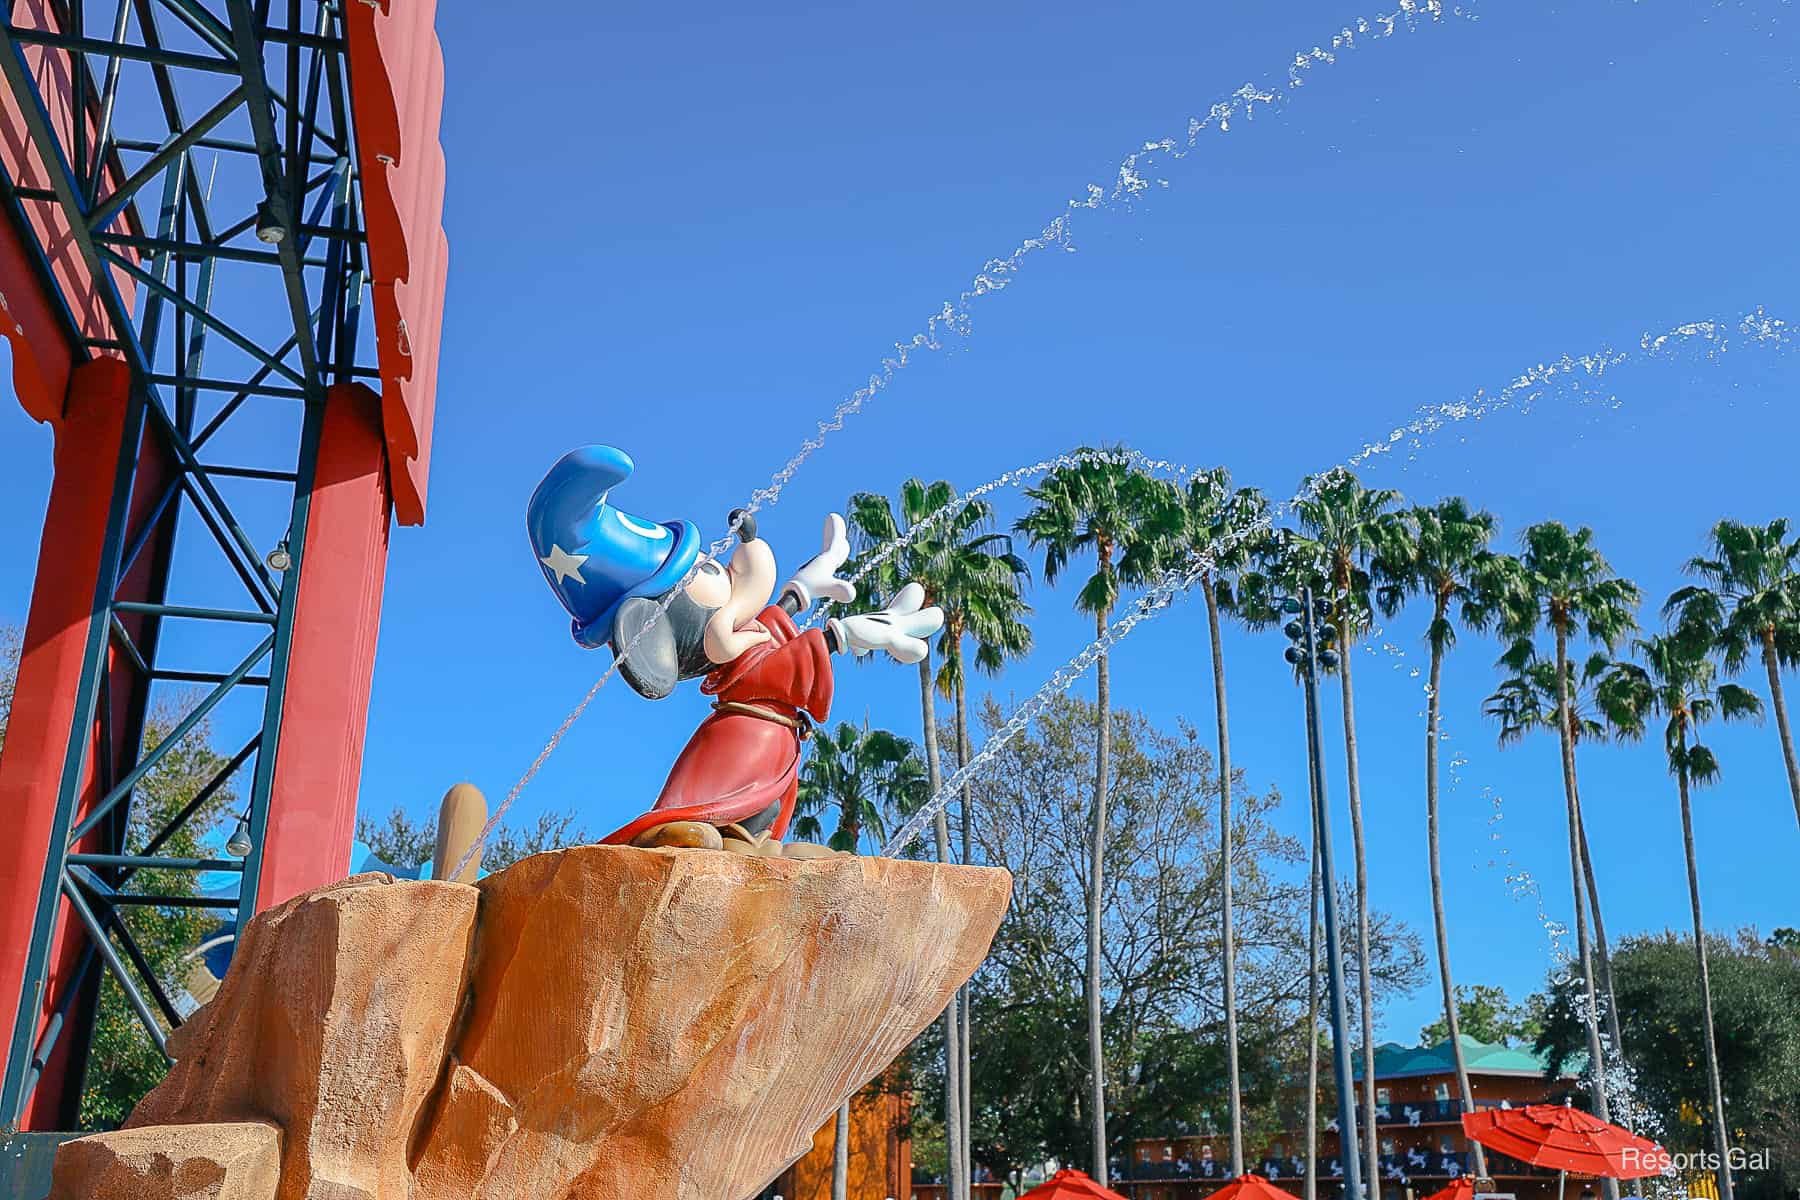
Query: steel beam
[277, 183]
[104, 945]
[63, 183]
[12, 1087]
[108, 98]
[121, 49]
[152, 862]
[219, 779]
[185, 726]
[177, 145]
[306, 84]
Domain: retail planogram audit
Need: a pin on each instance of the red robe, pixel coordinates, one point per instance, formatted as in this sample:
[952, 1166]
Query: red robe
[737, 766]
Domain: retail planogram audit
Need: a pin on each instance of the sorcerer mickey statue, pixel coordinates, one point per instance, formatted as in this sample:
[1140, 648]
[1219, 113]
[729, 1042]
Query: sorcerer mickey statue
[669, 613]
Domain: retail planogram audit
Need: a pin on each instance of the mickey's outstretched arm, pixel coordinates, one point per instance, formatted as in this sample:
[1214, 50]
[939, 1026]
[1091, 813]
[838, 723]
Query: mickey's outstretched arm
[818, 579]
[901, 628]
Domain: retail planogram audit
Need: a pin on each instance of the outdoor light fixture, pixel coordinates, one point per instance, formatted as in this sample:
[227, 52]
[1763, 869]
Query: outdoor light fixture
[268, 226]
[239, 845]
[279, 559]
[1310, 642]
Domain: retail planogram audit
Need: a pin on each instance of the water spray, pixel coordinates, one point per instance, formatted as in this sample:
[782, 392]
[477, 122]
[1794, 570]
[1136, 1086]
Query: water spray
[954, 315]
[881, 554]
[1135, 175]
[1715, 338]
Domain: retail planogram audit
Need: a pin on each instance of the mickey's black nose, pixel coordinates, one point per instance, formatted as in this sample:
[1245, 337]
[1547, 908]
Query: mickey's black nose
[746, 524]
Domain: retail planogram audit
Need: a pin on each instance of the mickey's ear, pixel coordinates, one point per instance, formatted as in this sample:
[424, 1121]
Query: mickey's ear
[648, 657]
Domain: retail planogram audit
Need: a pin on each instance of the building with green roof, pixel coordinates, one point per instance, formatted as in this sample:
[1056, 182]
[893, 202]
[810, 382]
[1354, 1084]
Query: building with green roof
[1394, 1061]
[1419, 1124]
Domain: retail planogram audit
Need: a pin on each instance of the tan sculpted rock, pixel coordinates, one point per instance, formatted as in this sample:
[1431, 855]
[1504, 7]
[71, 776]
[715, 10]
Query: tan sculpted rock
[678, 1023]
[656, 1024]
[171, 1162]
[331, 1022]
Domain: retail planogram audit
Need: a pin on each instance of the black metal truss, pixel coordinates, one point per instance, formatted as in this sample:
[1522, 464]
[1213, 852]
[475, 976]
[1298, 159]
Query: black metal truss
[269, 98]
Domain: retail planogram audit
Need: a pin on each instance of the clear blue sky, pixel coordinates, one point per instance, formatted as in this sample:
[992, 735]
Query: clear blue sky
[693, 233]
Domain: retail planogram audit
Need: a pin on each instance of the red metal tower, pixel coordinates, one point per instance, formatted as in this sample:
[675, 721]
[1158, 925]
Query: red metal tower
[197, 197]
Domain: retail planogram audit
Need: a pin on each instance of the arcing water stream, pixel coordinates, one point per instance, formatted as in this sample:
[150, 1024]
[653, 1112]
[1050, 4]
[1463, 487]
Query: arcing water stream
[1618, 1078]
[1136, 175]
[879, 556]
[954, 316]
[1710, 339]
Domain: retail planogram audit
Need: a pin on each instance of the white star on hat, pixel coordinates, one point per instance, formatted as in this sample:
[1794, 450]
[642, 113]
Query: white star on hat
[563, 565]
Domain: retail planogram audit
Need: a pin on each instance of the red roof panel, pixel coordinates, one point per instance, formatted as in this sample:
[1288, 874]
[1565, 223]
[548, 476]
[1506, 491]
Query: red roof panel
[42, 355]
[397, 92]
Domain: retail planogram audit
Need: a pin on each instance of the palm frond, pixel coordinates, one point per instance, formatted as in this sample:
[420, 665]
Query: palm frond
[1739, 703]
[1702, 766]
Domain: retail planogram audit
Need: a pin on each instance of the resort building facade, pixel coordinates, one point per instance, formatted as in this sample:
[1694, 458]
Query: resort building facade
[1419, 1125]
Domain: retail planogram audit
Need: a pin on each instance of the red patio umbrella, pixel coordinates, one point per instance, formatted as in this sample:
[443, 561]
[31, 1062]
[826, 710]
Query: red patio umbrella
[1462, 1188]
[1250, 1186]
[1559, 1136]
[1073, 1185]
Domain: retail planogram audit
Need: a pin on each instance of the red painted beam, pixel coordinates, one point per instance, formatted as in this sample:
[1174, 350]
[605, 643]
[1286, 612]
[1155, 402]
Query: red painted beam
[373, 464]
[337, 614]
[48, 299]
[56, 1104]
[88, 440]
[397, 98]
[42, 354]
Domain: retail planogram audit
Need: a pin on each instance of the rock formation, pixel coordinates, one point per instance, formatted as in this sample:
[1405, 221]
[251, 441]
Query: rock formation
[193, 1162]
[332, 1022]
[596, 1022]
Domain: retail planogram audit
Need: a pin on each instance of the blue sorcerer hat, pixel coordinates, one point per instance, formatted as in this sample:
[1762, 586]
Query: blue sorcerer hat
[595, 556]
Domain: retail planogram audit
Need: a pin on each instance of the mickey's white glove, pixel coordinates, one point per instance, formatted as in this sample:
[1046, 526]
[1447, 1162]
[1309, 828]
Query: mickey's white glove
[817, 580]
[901, 628]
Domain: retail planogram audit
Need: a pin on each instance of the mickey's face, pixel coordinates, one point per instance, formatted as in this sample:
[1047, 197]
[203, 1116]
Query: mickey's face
[706, 624]
[710, 587]
[736, 592]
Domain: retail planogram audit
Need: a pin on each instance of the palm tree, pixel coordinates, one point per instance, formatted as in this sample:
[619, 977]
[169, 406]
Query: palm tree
[1279, 563]
[1676, 681]
[1563, 582]
[1751, 598]
[1213, 521]
[874, 524]
[982, 596]
[1311, 1190]
[866, 775]
[1107, 506]
[1347, 526]
[1445, 557]
[1526, 701]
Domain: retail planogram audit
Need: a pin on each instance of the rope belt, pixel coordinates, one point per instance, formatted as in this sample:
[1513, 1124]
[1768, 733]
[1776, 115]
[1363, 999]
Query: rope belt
[800, 723]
